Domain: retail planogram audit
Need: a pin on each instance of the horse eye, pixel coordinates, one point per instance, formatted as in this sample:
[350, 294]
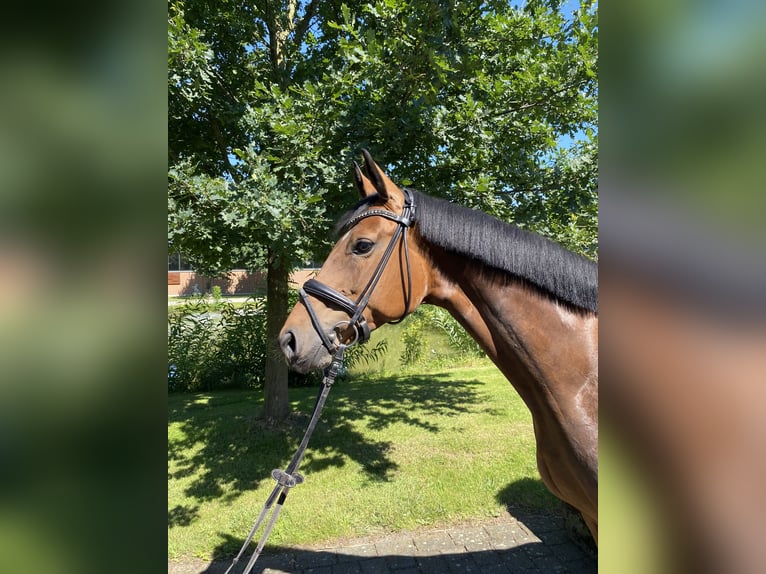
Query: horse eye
[363, 246]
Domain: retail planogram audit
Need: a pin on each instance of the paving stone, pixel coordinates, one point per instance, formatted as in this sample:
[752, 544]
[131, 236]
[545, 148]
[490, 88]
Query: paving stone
[516, 560]
[432, 564]
[537, 550]
[486, 558]
[550, 563]
[588, 566]
[435, 543]
[354, 552]
[396, 545]
[473, 539]
[347, 568]
[496, 569]
[536, 545]
[273, 564]
[306, 559]
[503, 536]
[524, 535]
[567, 552]
[555, 537]
[395, 562]
[462, 563]
[374, 566]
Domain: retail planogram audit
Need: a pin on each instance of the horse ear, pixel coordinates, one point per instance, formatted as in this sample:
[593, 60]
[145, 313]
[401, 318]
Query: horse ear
[363, 185]
[383, 185]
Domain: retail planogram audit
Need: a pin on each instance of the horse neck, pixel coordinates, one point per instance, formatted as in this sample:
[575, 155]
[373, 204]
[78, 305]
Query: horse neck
[547, 350]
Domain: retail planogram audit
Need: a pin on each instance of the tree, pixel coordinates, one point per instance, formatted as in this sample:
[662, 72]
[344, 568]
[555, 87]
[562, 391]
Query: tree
[247, 177]
[270, 100]
[470, 101]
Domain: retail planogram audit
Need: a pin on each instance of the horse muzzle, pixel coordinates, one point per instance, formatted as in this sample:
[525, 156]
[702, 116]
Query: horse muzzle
[304, 353]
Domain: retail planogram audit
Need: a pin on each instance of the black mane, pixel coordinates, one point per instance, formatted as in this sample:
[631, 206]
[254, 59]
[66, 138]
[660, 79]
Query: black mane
[546, 265]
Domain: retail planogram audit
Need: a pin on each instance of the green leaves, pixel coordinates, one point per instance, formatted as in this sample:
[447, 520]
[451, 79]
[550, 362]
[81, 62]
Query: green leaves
[471, 101]
[190, 74]
[345, 13]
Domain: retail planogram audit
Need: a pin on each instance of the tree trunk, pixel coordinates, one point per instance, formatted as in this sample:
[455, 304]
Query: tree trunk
[276, 405]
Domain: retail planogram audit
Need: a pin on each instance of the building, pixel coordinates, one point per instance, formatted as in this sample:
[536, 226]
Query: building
[183, 280]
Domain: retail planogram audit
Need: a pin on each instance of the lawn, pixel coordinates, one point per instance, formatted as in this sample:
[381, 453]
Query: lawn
[390, 453]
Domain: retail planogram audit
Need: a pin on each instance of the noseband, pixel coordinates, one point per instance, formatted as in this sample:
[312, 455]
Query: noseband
[355, 309]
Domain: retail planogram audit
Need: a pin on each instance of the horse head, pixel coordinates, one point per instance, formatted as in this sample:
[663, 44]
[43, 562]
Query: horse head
[373, 275]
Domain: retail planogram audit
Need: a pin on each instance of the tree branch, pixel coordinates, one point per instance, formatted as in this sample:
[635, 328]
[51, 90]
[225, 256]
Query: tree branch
[526, 105]
[272, 27]
[218, 135]
[303, 25]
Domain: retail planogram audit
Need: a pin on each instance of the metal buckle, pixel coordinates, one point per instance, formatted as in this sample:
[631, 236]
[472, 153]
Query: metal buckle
[360, 327]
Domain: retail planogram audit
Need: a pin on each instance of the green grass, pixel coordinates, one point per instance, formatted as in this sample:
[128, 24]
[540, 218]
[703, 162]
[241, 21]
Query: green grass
[389, 454]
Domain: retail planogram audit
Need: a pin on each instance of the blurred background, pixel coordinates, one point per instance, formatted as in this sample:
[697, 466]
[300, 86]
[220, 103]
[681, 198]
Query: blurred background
[682, 285]
[82, 208]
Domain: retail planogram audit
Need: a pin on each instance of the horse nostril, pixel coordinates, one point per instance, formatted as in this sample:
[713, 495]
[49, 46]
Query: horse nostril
[288, 344]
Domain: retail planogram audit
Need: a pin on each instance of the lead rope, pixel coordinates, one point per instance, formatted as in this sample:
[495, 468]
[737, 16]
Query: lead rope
[289, 478]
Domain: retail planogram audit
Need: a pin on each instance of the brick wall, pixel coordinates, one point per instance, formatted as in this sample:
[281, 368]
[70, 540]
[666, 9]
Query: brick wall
[237, 283]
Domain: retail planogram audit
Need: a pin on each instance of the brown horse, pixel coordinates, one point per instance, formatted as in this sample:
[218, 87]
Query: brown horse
[530, 304]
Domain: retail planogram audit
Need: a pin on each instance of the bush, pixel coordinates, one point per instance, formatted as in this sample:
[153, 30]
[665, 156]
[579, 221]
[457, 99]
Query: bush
[413, 339]
[215, 345]
[364, 354]
[425, 321]
[459, 339]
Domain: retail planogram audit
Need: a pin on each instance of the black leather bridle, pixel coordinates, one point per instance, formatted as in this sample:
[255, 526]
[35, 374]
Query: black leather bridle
[355, 309]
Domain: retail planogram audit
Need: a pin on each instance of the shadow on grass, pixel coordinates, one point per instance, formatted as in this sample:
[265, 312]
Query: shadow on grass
[228, 450]
[527, 493]
[182, 515]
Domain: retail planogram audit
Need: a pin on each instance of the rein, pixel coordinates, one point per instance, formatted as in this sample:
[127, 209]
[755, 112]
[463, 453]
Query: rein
[290, 477]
